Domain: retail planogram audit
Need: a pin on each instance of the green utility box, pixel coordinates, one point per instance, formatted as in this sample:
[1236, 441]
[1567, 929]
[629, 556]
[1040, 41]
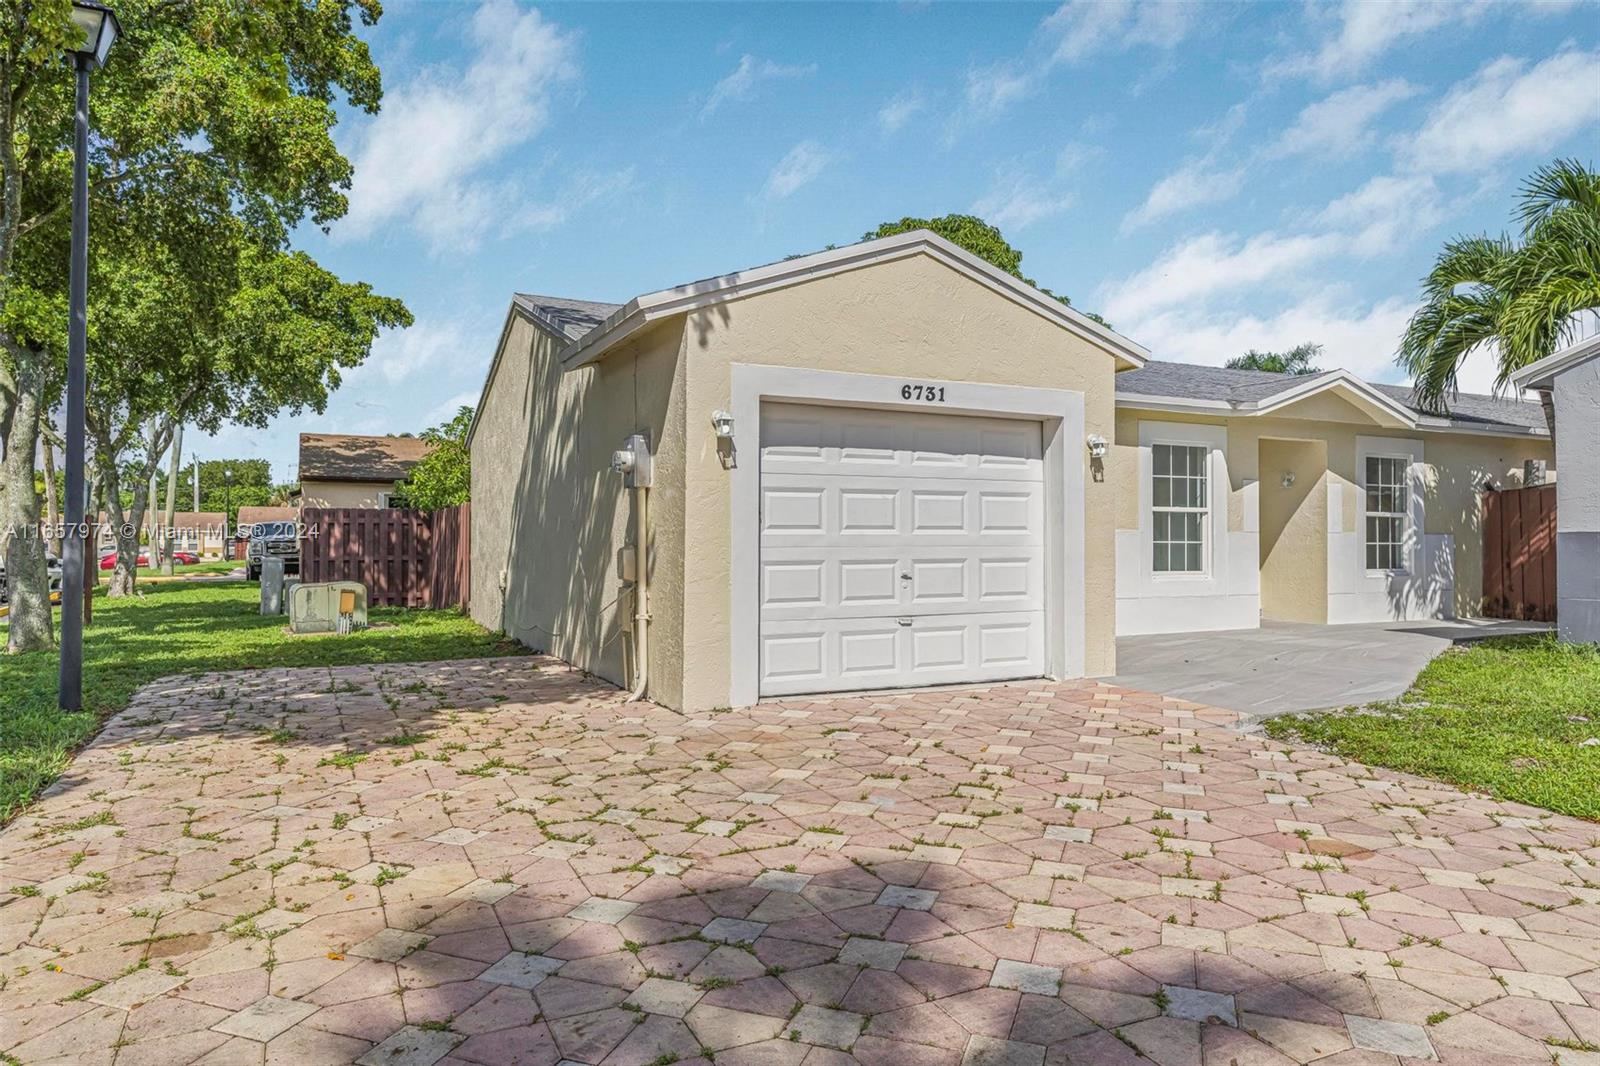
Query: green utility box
[328, 607]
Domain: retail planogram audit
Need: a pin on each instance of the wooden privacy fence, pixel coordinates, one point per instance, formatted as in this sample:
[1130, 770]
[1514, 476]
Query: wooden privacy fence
[1519, 553]
[405, 558]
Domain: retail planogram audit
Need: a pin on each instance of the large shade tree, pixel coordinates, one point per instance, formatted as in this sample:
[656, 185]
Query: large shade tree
[1520, 297]
[226, 106]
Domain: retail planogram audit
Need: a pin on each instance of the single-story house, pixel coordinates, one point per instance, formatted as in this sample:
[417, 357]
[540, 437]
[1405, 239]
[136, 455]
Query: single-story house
[249, 516]
[354, 470]
[893, 464]
[1572, 378]
[202, 532]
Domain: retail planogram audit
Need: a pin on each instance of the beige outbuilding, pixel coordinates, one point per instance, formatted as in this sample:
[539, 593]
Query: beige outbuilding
[892, 464]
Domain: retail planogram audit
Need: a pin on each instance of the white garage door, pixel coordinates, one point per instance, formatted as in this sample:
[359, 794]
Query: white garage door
[898, 548]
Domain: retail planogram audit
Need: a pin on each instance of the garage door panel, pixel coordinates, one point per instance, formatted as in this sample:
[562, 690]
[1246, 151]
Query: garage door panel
[798, 657]
[864, 583]
[860, 441]
[868, 510]
[794, 510]
[935, 511]
[803, 582]
[899, 549]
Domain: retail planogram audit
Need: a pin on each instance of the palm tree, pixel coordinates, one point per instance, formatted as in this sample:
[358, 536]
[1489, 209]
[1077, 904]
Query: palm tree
[1294, 362]
[1523, 296]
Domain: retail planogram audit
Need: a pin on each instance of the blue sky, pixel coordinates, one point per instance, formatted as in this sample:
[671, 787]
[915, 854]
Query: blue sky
[1209, 177]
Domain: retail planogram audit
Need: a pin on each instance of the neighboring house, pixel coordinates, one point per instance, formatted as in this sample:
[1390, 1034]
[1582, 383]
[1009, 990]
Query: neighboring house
[249, 516]
[892, 464]
[1572, 377]
[349, 470]
[202, 532]
[195, 531]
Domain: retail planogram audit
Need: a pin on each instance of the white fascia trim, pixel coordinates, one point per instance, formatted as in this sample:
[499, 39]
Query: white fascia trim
[1252, 409]
[515, 311]
[642, 310]
[1404, 416]
[1542, 374]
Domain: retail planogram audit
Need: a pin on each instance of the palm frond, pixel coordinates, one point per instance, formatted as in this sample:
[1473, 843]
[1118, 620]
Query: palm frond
[1561, 183]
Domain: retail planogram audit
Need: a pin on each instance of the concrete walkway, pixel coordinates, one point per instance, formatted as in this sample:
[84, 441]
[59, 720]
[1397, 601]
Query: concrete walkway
[499, 863]
[1290, 666]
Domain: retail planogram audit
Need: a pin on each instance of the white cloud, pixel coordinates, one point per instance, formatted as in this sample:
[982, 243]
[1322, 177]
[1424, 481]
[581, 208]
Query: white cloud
[400, 354]
[1019, 201]
[1361, 338]
[1385, 211]
[1191, 272]
[1508, 108]
[581, 191]
[1363, 30]
[1072, 33]
[751, 72]
[1193, 184]
[1342, 122]
[1083, 27]
[1367, 29]
[801, 166]
[1088, 27]
[423, 157]
[446, 410]
[993, 88]
[898, 111]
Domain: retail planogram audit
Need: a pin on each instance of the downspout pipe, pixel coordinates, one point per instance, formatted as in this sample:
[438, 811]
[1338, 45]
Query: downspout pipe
[634, 462]
[641, 592]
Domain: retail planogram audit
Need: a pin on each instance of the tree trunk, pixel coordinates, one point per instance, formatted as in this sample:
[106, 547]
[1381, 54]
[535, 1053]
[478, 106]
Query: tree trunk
[125, 524]
[1548, 402]
[124, 527]
[52, 506]
[32, 626]
[153, 552]
[170, 516]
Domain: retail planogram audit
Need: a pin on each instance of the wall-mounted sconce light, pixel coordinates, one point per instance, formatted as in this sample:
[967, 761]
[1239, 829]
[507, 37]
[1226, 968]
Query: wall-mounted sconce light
[1288, 478]
[1097, 446]
[722, 422]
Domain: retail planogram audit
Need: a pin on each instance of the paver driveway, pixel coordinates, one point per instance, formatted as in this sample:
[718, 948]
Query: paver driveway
[498, 861]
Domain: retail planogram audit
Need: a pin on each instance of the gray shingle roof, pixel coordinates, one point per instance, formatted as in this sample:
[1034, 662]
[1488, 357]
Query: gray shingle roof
[571, 318]
[1188, 381]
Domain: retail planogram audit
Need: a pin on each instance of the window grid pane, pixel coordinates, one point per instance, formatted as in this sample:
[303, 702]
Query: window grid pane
[1178, 495]
[1386, 512]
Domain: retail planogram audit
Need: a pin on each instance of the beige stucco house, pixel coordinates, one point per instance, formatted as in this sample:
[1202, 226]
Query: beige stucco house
[892, 464]
[355, 470]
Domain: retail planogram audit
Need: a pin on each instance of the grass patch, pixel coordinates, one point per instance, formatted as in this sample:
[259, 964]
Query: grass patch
[185, 628]
[1507, 717]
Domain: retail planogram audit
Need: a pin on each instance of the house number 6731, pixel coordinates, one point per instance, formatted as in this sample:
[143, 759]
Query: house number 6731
[925, 393]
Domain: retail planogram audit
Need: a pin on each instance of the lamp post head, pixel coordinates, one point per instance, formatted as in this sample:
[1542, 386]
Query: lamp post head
[99, 29]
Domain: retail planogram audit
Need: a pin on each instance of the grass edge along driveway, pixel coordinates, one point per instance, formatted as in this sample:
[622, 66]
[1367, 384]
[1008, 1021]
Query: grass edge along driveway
[1507, 717]
[189, 629]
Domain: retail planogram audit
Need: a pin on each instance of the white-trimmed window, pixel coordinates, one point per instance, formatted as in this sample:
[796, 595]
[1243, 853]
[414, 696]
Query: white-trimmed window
[1388, 498]
[1179, 508]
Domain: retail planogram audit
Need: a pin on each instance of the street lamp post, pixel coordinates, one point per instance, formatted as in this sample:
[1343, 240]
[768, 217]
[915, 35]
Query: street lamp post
[98, 29]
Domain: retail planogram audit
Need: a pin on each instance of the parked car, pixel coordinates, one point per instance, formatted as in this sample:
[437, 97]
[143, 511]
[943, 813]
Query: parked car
[108, 559]
[52, 568]
[281, 539]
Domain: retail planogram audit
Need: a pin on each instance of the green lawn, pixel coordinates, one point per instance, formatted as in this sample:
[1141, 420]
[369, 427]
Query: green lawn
[179, 628]
[1507, 717]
